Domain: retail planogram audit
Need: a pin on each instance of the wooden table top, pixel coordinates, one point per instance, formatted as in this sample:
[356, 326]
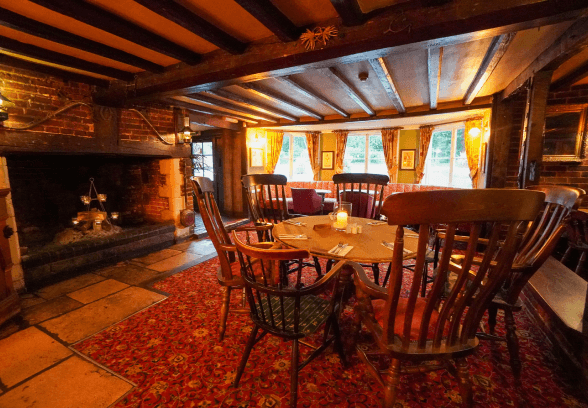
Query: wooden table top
[367, 246]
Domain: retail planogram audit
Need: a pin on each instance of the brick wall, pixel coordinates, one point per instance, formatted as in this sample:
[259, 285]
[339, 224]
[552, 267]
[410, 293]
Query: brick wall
[133, 127]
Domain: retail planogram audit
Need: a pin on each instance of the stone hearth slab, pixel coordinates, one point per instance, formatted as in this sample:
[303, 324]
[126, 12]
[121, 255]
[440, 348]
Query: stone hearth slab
[97, 291]
[184, 259]
[129, 273]
[202, 247]
[157, 256]
[74, 383]
[96, 316]
[50, 309]
[70, 285]
[26, 353]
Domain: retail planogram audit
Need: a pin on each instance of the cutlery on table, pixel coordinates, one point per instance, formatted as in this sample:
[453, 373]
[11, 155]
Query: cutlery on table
[298, 223]
[292, 236]
[390, 245]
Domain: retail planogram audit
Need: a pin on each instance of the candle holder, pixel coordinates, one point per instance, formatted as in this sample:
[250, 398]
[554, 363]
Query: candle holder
[343, 213]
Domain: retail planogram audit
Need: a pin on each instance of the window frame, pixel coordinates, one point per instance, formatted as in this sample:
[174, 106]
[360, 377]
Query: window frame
[453, 127]
[367, 147]
[291, 136]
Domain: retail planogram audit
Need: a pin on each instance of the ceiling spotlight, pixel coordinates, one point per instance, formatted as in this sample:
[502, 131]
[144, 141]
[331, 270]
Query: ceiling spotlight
[363, 76]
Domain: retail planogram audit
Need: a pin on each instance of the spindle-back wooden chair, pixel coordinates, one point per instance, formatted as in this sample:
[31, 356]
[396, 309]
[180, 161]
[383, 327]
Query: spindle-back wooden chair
[578, 240]
[437, 328]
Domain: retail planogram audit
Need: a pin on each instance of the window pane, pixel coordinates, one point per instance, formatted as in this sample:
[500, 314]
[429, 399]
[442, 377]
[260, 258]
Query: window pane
[376, 162]
[283, 166]
[438, 157]
[302, 171]
[207, 148]
[354, 159]
[461, 171]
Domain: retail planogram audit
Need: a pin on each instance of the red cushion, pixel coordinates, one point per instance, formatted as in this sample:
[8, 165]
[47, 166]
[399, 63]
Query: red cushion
[379, 307]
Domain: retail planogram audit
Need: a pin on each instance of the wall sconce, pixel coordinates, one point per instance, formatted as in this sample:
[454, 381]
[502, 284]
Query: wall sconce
[475, 132]
[4, 103]
[185, 135]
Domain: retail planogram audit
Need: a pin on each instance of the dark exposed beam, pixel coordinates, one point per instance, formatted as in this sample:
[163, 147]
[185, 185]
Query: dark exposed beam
[38, 29]
[213, 121]
[311, 94]
[32, 51]
[272, 18]
[194, 23]
[434, 58]
[184, 102]
[230, 107]
[383, 73]
[496, 51]
[13, 62]
[349, 89]
[105, 21]
[275, 98]
[570, 43]
[349, 11]
[450, 24]
[568, 80]
[248, 103]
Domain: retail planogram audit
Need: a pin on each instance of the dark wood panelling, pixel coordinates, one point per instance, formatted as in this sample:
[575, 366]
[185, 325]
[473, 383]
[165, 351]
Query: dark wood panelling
[212, 121]
[349, 11]
[272, 18]
[568, 80]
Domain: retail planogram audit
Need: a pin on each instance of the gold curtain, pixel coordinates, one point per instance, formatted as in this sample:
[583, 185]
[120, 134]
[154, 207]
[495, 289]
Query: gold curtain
[312, 144]
[273, 148]
[425, 134]
[389, 139]
[341, 136]
[472, 147]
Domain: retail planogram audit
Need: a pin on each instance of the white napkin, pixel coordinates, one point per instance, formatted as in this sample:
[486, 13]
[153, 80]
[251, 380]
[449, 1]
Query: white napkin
[342, 252]
[391, 247]
[292, 236]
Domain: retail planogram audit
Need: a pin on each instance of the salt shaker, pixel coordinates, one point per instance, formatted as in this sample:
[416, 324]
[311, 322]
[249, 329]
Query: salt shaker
[354, 229]
[359, 229]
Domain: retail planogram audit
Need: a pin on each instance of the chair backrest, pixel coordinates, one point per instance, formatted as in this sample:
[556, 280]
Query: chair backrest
[365, 191]
[276, 308]
[306, 201]
[203, 190]
[449, 323]
[542, 235]
[266, 197]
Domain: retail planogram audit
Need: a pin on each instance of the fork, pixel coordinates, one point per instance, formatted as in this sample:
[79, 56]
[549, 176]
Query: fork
[340, 246]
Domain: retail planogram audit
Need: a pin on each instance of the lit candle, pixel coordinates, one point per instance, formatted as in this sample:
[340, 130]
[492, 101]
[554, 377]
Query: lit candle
[85, 199]
[74, 221]
[341, 220]
[102, 197]
[114, 215]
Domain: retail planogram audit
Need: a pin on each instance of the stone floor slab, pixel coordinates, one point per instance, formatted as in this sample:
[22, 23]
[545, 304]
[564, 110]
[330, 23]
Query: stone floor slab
[128, 273]
[26, 353]
[184, 259]
[28, 300]
[157, 256]
[70, 285]
[202, 247]
[96, 316]
[74, 383]
[97, 291]
[49, 309]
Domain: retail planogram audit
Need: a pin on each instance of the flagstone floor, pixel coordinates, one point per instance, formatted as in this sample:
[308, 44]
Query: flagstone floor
[38, 365]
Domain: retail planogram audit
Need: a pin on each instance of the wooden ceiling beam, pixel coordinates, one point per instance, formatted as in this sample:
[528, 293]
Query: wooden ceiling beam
[192, 22]
[570, 43]
[275, 98]
[496, 51]
[271, 17]
[434, 59]
[43, 54]
[313, 95]
[231, 108]
[18, 63]
[349, 89]
[184, 102]
[105, 21]
[212, 121]
[26, 25]
[454, 23]
[568, 80]
[350, 12]
[383, 74]
[250, 104]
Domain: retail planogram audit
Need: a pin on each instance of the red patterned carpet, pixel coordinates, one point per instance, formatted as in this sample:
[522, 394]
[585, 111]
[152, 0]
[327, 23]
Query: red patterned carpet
[171, 352]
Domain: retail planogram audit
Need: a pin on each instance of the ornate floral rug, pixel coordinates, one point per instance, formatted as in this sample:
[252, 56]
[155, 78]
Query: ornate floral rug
[171, 352]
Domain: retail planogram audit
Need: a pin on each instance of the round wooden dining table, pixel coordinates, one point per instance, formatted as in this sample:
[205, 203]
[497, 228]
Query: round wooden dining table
[367, 246]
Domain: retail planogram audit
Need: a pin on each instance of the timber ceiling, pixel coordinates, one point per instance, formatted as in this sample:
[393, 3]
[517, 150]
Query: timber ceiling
[243, 60]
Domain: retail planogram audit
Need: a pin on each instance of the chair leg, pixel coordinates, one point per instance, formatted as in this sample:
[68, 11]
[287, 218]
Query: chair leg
[317, 266]
[492, 311]
[248, 348]
[294, 375]
[465, 385]
[338, 343]
[387, 275]
[581, 262]
[566, 255]
[391, 386]
[376, 270]
[224, 313]
[330, 263]
[512, 342]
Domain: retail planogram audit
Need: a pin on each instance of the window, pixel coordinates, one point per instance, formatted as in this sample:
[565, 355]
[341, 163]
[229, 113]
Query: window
[446, 163]
[202, 159]
[294, 162]
[364, 153]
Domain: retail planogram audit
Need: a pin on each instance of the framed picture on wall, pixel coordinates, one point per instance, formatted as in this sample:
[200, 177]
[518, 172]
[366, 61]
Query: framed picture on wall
[407, 159]
[328, 160]
[256, 157]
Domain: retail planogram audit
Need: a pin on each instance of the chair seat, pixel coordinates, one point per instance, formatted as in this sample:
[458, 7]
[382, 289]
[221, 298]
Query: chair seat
[314, 311]
[329, 204]
[419, 309]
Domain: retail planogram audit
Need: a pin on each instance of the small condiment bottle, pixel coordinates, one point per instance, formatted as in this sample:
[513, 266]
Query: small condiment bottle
[354, 229]
[359, 229]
